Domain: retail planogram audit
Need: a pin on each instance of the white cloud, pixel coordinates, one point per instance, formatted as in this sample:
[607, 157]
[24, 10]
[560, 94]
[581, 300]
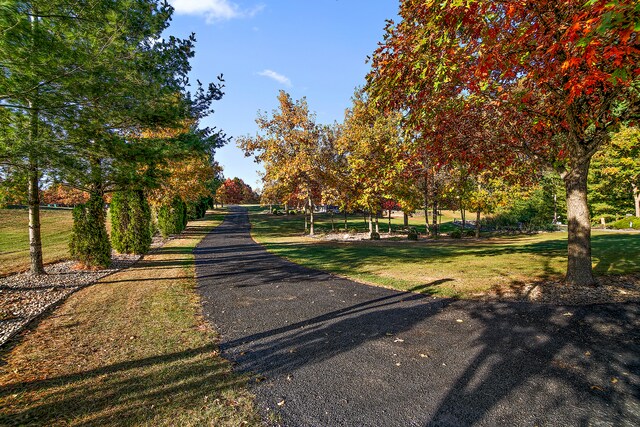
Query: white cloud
[275, 76]
[213, 10]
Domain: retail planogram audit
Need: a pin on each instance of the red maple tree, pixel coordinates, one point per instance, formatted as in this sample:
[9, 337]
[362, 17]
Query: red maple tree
[554, 78]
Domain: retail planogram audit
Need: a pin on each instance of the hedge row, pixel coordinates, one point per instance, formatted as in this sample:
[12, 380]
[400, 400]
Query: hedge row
[627, 222]
[132, 225]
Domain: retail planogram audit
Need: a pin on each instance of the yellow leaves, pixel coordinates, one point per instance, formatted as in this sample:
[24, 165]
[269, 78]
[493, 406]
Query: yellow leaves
[187, 179]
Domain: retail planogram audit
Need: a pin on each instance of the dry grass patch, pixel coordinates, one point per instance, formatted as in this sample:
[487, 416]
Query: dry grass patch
[130, 350]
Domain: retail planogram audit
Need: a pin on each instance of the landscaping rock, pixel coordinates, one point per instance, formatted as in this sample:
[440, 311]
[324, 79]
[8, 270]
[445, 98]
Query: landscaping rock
[24, 297]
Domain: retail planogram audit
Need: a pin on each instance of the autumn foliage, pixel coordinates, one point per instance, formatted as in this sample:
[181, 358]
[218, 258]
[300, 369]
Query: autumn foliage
[59, 194]
[235, 191]
[503, 82]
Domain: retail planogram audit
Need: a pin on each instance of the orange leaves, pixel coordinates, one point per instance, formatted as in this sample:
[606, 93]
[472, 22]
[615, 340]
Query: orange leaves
[571, 62]
[59, 194]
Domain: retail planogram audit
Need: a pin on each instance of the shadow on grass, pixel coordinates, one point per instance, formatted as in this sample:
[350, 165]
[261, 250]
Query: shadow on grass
[132, 392]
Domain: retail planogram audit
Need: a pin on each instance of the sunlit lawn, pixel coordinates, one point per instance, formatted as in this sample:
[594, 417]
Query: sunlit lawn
[444, 267]
[14, 237]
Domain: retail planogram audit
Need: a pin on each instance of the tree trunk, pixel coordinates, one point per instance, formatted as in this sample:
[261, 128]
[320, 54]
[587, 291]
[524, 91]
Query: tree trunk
[370, 224]
[426, 207]
[345, 220]
[463, 216]
[406, 219]
[477, 224]
[389, 221]
[35, 239]
[579, 268]
[311, 233]
[636, 198]
[286, 209]
[333, 227]
[377, 225]
[435, 219]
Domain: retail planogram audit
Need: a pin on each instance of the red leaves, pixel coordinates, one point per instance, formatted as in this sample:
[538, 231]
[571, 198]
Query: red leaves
[571, 62]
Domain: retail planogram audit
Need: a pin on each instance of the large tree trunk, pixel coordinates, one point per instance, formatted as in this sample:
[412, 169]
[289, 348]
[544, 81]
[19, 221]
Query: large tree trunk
[35, 239]
[636, 198]
[579, 269]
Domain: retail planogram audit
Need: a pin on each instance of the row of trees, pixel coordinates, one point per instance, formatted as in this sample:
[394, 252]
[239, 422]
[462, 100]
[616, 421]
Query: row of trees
[466, 100]
[235, 191]
[93, 97]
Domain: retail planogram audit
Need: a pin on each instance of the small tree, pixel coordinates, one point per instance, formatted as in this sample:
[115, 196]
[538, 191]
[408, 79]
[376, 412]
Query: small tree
[130, 222]
[89, 240]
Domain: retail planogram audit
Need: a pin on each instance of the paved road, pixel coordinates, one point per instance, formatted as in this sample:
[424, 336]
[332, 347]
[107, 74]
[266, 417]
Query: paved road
[326, 351]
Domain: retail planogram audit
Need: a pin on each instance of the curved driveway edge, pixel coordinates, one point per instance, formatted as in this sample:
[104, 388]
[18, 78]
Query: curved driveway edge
[326, 351]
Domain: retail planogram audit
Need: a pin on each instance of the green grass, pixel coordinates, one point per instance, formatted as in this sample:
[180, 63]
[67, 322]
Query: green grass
[14, 237]
[447, 267]
[131, 350]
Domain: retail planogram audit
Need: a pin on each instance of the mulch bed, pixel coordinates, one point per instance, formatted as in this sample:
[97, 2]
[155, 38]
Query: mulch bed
[610, 289]
[24, 297]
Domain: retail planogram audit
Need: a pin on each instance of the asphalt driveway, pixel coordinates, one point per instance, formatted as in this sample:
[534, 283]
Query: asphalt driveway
[326, 351]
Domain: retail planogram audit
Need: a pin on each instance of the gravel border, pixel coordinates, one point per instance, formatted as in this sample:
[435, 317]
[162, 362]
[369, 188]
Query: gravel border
[24, 298]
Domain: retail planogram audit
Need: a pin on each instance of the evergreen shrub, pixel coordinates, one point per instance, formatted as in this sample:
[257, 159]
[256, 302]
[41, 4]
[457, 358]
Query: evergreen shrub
[172, 218]
[89, 242]
[130, 222]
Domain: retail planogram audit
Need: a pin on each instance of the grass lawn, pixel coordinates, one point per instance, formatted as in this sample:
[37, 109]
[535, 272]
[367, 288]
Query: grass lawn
[445, 267]
[129, 350]
[14, 237]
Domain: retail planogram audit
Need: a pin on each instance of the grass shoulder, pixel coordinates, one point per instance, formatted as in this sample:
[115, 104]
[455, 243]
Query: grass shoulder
[130, 350]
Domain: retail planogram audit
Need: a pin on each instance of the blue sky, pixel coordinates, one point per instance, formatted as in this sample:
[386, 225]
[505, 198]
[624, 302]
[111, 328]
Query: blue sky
[311, 48]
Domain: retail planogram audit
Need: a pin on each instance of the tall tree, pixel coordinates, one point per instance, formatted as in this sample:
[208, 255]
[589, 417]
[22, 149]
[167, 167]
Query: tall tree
[76, 76]
[560, 76]
[370, 139]
[290, 150]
